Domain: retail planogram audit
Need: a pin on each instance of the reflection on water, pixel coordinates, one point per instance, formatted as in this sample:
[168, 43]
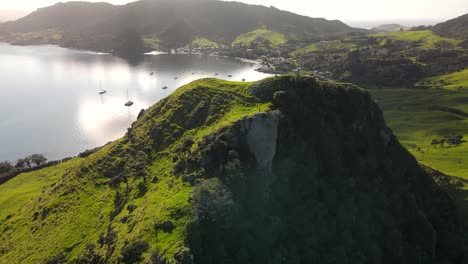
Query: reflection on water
[50, 102]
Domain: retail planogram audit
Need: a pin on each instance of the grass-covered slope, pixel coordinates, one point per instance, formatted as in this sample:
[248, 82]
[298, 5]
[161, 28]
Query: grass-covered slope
[325, 46]
[418, 116]
[453, 81]
[286, 170]
[261, 35]
[124, 190]
[426, 38]
[203, 43]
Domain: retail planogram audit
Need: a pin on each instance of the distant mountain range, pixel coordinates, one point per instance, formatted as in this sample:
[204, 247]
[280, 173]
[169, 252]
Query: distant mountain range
[174, 22]
[454, 28]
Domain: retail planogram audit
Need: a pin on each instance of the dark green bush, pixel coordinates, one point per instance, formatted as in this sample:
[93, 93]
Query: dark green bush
[133, 251]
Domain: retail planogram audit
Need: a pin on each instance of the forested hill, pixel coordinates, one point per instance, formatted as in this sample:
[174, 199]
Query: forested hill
[454, 28]
[174, 22]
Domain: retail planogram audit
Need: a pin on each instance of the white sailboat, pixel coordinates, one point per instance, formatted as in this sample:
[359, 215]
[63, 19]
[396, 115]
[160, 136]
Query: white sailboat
[101, 91]
[129, 102]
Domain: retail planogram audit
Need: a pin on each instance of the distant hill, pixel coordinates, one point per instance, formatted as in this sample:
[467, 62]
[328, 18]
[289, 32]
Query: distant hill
[175, 23]
[389, 28]
[63, 16]
[9, 15]
[454, 28]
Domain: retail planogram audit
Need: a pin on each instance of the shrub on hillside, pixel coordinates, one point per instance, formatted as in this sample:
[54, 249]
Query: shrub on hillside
[132, 252]
[5, 167]
[59, 259]
[90, 256]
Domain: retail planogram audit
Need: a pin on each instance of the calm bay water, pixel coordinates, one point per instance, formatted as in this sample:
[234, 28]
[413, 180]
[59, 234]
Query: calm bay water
[50, 102]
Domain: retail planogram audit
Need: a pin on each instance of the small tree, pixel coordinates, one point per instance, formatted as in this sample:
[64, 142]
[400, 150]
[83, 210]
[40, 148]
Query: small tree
[37, 159]
[23, 163]
[132, 252]
[5, 166]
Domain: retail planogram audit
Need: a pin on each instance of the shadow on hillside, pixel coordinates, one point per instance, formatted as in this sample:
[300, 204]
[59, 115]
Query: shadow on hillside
[456, 187]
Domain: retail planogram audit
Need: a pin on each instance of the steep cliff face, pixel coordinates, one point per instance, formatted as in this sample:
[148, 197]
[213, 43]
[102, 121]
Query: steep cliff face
[286, 170]
[262, 133]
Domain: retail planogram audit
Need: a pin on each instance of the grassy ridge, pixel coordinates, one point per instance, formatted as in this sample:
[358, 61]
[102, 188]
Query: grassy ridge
[426, 37]
[203, 43]
[275, 38]
[452, 81]
[323, 46]
[153, 42]
[70, 205]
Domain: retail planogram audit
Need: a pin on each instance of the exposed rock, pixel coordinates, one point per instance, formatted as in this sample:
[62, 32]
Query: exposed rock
[262, 132]
[140, 115]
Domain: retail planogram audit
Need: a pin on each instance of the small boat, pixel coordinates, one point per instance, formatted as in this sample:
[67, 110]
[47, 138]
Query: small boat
[165, 87]
[176, 78]
[101, 91]
[129, 102]
[229, 75]
[193, 73]
[216, 74]
[151, 73]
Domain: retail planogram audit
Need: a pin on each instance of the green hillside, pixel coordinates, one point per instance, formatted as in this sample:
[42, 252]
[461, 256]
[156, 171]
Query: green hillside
[285, 170]
[74, 199]
[260, 35]
[420, 116]
[408, 112]
[426, 38]
[176, 23]
[452, 81]
[325, 46]
[203, 43]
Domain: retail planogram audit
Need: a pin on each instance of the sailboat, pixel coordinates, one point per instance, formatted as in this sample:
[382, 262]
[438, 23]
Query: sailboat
[129, 102]
[101, 91]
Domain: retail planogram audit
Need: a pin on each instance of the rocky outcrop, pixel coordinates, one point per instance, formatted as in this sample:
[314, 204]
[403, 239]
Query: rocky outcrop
[261, 134]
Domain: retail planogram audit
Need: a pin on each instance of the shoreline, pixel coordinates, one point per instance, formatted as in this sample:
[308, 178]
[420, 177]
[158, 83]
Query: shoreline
[151, 53]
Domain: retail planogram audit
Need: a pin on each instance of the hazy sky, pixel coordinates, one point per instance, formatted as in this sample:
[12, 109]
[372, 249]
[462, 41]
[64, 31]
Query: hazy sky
[346, 10]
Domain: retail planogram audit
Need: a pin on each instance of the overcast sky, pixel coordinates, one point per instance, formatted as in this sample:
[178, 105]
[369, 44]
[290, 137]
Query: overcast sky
[346, 10]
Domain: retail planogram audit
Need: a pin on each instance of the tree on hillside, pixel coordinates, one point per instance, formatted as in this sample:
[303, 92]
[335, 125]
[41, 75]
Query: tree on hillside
[23, 163]
[5, 166]
[37, 159]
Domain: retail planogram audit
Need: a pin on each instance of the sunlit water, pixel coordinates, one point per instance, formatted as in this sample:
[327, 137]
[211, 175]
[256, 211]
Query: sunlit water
[50, 102]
